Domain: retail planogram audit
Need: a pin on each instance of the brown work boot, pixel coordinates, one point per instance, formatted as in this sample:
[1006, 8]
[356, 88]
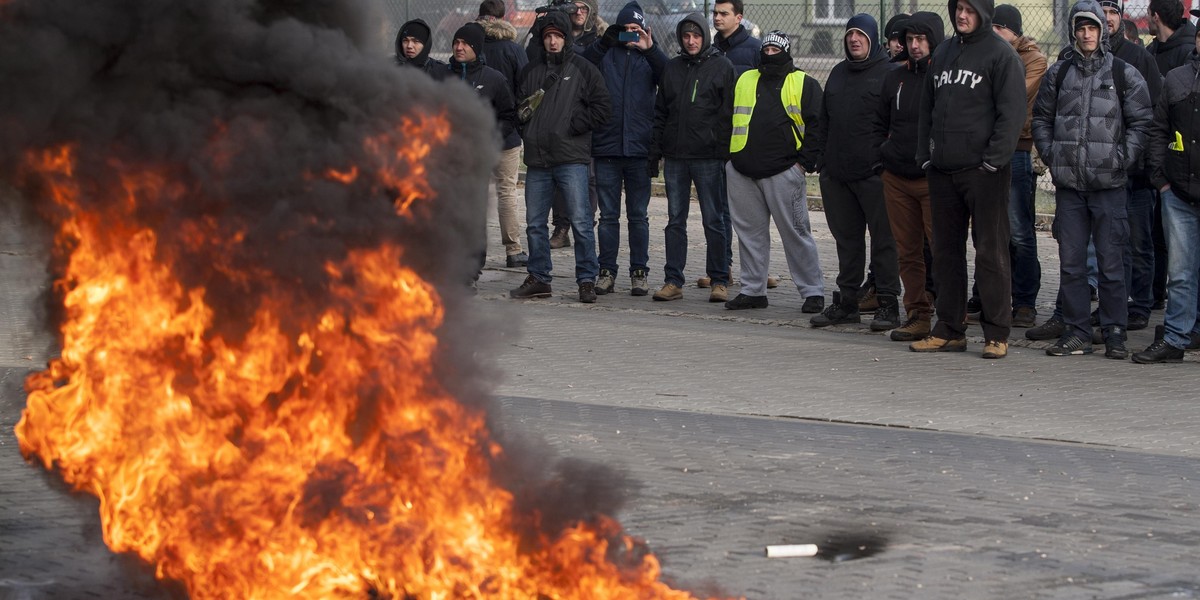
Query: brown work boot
[868, 300]
[719, 293]
[914, 329]
[995, 349]
[669, 291]
[704, 282]
[561, 238]
[772, 282]
[937, 344]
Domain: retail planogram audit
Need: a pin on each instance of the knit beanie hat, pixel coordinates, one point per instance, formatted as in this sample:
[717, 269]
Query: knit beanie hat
[893, 27]
[1008, 17]
[778, 39]
[632, 15]
[690, 27]
[415, 29]
[1112, 4]
[472, 33]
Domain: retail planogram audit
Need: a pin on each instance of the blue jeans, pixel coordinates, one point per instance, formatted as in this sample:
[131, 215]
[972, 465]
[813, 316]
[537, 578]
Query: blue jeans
[1022, 244]
[634, 173]
[709, 178]
[1181, 226]
[1139, 257]
[572, 181]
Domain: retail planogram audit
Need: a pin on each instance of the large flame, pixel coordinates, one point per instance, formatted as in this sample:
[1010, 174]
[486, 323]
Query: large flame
[316, 459]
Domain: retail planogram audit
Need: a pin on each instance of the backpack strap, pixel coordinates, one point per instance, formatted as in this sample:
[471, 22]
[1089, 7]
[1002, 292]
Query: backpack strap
[1118, 78]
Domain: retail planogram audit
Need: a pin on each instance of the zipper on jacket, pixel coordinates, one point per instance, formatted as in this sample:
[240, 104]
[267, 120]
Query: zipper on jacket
[898, 90]
[695, 84]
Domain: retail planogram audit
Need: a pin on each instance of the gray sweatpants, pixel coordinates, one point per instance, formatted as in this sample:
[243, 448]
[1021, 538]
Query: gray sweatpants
[752, 205]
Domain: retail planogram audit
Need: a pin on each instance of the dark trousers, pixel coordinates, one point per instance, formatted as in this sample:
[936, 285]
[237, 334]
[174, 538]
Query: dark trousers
[1099, 216]
[912, 227]
[852, 208]
[973, 200]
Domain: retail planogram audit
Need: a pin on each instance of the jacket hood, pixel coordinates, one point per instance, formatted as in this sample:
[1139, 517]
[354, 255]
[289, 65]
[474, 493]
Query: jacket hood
[1089, 9]
[985, 8]
[558, 20]
[593, 20]
[419, 29]
[498, 29]
[924, 23]
[868, 25]
[699, 20]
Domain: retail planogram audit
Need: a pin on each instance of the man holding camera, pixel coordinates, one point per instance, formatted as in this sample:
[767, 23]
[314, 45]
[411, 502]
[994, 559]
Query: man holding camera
[558, 143]
[632, 65]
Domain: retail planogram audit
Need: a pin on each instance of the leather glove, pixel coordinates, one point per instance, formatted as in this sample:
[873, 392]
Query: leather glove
[609, 39]
[652, 166]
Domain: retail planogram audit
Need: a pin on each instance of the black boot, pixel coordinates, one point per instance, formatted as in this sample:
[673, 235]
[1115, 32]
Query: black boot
[1114, 343]
[887, 316]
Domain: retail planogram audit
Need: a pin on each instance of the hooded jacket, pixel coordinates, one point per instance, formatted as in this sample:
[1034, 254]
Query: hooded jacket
[850, 107]
[632, 78]
[434, 68]
[693, 111]
[741, 49]
[593, 26]
[500, 50]
[973, 105]
[1083, 131]
[494, 88]
[900, 101]
[576, 103]
[1174, 157]
[1175, 51]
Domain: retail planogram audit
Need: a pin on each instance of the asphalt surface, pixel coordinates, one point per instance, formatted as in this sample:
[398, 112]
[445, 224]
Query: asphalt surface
[960, 478]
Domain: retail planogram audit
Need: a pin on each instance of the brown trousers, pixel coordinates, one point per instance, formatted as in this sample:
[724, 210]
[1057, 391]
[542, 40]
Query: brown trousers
[907, 202]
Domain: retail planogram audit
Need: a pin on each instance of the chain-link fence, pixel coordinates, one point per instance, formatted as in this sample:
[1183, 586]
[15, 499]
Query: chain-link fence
[816, 26]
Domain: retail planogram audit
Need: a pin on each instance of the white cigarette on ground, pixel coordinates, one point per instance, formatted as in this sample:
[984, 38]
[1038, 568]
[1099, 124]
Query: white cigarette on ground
[791, 550]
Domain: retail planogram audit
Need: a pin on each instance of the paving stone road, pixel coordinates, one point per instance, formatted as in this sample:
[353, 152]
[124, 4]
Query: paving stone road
[1030, 477]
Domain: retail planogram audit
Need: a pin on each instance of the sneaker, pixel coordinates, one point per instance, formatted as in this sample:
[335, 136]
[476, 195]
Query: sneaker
[668, 291]
[937, 344]
[1070, 345]
[637, 283]
[605, 282]
[719, 293]
[587, 292]
[772, 282]
[868, 300]
[1158, 352]
[887, 315]
[742, 301]
[704, 282]
[1024, 316]
[1114, 344]
[837, 314]
[813, 305]
[516, 260]
[531, 288]
[1052, 329]
[561, 238]
[995, 349]
[1137, 322]
[915, 328]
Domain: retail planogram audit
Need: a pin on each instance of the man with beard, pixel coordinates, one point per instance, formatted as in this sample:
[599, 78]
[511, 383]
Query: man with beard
[851, 189]
[972, 111]
[692, 121]
[558, 149]
[905, 187]
[775, 109]
[412, 48]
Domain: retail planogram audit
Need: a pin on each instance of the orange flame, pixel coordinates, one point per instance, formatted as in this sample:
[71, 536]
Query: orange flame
[324, 464]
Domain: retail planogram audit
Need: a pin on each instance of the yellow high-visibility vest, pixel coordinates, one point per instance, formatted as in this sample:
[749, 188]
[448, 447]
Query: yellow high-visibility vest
[743, 106]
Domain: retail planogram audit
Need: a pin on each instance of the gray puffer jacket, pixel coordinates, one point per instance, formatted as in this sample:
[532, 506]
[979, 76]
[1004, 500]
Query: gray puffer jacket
[1084, 132]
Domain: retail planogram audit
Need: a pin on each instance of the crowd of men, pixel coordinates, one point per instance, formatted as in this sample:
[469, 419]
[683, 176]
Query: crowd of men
[919, 139]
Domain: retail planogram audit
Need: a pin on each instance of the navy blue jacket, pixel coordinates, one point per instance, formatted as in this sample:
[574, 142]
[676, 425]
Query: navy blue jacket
[632, 78]
[741, 49]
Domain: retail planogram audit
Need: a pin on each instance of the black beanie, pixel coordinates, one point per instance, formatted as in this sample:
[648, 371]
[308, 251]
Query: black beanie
[472, 33]
[1112, 4]
[894, 26]
[1008, 17]
[416, 29]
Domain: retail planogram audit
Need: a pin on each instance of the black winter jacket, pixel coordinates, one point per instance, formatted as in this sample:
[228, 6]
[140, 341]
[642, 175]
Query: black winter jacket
[1175, 51]
[501, 52]
[849, 109]
[900, 102]
[741, 49]
[490, 84]
[560, 131]
[693, 111]
[973, 105]
[435, 68]
[1177, 111]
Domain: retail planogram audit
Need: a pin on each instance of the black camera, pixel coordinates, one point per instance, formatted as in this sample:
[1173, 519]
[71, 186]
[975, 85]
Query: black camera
[565, 6]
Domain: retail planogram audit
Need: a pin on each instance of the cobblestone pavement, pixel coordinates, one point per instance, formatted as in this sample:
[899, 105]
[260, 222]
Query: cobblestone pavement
[1029, 477]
